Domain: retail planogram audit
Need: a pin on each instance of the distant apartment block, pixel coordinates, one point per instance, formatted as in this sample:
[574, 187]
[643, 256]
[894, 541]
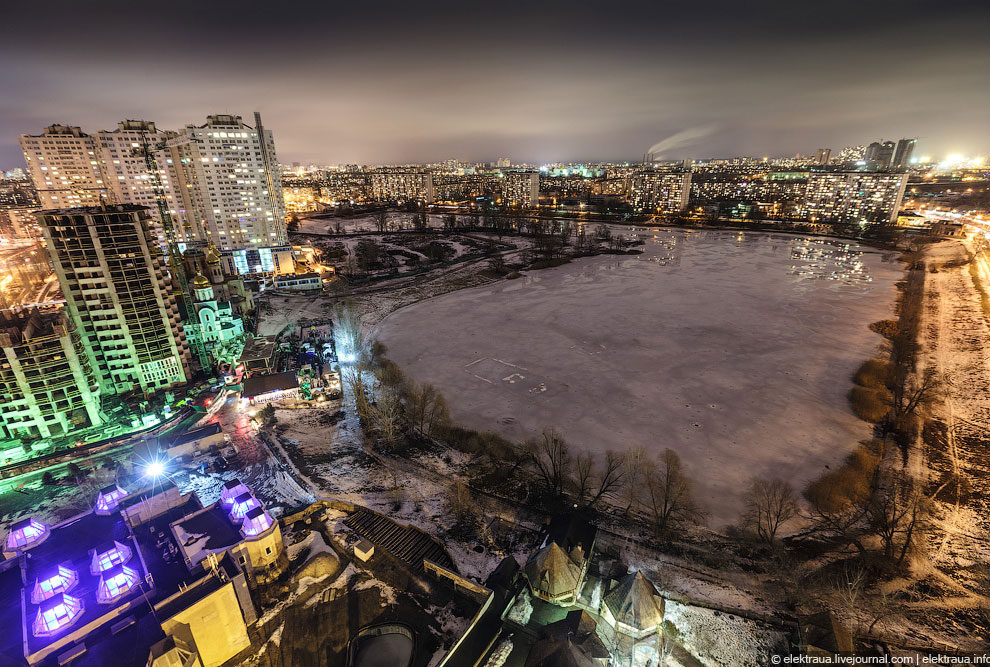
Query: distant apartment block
[661, 191]
[117, 295]
[854, 196]
[395, 185]
[520, 188]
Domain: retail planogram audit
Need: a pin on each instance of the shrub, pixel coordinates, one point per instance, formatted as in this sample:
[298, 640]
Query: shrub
[886, 328]
[870, 404]
[514, 275]
[874, 373]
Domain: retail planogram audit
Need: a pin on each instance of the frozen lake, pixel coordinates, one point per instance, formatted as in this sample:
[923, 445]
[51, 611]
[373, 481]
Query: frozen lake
[734, 349]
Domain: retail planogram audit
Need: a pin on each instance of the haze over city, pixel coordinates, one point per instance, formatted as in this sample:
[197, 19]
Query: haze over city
[494, 335]
[395, 82]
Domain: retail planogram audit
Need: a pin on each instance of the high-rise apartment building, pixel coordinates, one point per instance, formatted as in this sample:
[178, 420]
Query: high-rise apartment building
[903, 153]
[823, 156]
[503, 163]
[117, 295]
[856, 196]
[661, 191]
[64, 164]
[520, 188]
[880, 155]
[47, 385]
[228, 174]
[220, 181]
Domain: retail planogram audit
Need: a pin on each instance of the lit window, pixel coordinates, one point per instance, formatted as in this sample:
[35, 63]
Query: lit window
[25, 534]
[116, 582]
[56, 581]
[56, 614]
[243, 504]
[106, 558]
[256, 522]
[108, 499]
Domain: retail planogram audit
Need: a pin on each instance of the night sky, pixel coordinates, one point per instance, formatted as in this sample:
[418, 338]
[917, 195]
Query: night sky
[393, 82]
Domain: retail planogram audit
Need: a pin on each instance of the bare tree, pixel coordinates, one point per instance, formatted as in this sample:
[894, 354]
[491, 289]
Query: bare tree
[769, 503]
[349, 332]
[896, 512]
[633, 475]
[609, 478]
[437, 415]
[552, 460]
[385, 414]
[381, 219]
[667, 496]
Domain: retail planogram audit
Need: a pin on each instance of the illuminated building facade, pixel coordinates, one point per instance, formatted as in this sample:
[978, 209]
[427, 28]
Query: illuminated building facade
[229, 174]
[64, 164]
[402, 185]
[96, 587]
[217, 325]
[661, 191]
[220, 180]
[117, 296]
[903, 154]
[47, 384]
[520, 188]
[854, 196]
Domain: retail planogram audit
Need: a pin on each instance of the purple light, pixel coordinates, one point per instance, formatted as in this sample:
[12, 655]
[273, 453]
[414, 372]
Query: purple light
[243, 504]
[58, 580]
[256, 522]
[106, 558]
[108, 499]
[231, 490]
[115, 583]
[25, 534]
[56, 614]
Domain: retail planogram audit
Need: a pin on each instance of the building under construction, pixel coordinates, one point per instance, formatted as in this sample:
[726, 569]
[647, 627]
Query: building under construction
[118, 295]
[47, 386]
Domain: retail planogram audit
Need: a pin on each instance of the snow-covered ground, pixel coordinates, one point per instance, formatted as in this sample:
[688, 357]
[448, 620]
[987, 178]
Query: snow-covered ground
[734, 349]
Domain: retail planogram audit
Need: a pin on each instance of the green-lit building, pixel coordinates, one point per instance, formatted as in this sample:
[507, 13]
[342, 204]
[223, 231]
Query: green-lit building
[47, 385]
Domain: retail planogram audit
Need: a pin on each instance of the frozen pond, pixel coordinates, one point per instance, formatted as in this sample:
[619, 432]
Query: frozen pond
[734, 349]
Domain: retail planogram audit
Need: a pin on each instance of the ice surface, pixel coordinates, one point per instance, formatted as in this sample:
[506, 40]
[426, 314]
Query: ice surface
[736, 350]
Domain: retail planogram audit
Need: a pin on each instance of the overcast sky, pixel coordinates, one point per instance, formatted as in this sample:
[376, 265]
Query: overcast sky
[392, 82]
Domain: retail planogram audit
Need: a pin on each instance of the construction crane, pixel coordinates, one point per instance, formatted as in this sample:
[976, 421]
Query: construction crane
[147, 151]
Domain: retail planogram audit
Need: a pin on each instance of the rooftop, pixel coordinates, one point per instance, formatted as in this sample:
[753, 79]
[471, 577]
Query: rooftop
[208, 530]
[197, 434]
[263, 384]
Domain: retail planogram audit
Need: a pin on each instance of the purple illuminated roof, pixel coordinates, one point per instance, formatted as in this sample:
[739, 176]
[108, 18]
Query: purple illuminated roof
[115, 583]
[59, 579]
[243, 504]
[256, 522]
[232, 490]
[56, 614]
[25, 534]
[109, 496]
[108, 556]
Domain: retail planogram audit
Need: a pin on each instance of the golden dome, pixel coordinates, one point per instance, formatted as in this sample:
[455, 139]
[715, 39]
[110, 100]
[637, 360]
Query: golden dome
[213, 255]
[200, 281]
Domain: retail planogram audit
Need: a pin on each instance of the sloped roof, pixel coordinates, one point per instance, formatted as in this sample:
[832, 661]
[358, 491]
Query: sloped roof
[552, 571]
[636, 602]
[558, 653]
[579, 628]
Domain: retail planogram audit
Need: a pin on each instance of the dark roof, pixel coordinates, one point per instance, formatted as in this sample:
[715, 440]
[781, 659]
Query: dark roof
[197, 434]
[214, 524]
[257, 348]
[263, 384]
[579, 627]
[572, 530]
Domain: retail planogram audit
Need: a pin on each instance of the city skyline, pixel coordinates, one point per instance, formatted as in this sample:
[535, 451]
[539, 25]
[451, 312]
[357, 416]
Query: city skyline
[557, 83]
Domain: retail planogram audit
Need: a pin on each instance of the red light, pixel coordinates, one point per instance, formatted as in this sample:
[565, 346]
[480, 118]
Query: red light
[209, 401]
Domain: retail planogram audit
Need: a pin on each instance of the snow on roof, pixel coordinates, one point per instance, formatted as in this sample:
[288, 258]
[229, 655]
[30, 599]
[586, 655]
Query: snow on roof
[552, 572]
[636, 602]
